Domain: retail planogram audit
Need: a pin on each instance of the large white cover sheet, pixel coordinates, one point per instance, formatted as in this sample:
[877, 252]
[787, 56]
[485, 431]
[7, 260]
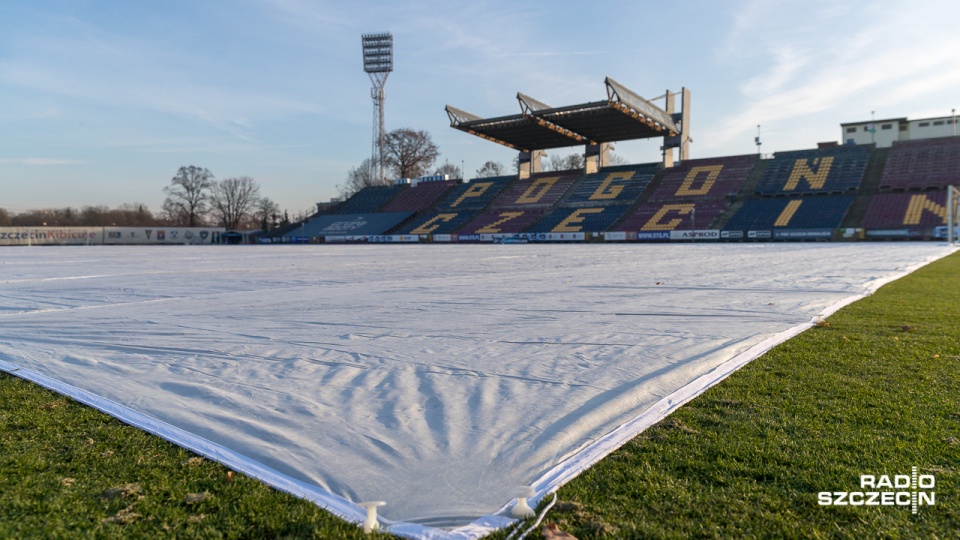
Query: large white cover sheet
[436, 378]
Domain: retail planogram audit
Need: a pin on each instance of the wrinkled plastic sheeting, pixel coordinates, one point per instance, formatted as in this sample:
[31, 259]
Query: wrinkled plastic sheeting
[436, 378]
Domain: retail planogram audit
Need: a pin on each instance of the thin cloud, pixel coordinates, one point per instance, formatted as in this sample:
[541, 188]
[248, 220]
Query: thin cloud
[41, 162]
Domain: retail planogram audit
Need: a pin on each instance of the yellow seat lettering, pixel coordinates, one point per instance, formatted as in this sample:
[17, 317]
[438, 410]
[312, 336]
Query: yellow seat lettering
[538, 188]
[608, 189]
[476, 189]
[657, 223]
[687, 189]
[434, 223]
[920, 204]
[803, 171]
[787, 214]
[574, 222]
[493, 228]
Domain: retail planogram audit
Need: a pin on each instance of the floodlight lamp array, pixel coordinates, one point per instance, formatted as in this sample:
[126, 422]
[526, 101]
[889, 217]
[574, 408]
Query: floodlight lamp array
[377, 53]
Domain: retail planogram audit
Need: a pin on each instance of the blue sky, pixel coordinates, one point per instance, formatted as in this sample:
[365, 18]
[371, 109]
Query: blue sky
[102, 101]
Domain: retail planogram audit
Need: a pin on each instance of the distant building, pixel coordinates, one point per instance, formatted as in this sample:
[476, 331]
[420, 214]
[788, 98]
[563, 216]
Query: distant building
[883, 133]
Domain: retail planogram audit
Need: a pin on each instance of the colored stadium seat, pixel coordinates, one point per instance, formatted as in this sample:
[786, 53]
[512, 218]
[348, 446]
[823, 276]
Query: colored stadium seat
[910, 210]
[822, 171]
[818, 212]
[922, 164]
[419, 197]
[370, 199]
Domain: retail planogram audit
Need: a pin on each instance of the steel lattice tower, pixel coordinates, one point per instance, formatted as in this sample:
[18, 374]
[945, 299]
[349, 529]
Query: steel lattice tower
[378, 63]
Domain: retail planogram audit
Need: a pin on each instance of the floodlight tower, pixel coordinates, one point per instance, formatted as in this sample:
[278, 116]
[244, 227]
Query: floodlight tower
[378, 63]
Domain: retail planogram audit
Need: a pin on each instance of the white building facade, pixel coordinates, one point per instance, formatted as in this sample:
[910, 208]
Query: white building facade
[883, 133]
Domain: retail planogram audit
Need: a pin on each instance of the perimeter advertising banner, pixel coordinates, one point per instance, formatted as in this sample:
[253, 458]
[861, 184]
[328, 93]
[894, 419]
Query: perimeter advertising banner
[80, 236]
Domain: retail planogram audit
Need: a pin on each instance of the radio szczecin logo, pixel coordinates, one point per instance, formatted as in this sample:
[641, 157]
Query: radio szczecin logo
[913, 490]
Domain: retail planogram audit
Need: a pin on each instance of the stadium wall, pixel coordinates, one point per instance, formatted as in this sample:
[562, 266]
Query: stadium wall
[79, 236]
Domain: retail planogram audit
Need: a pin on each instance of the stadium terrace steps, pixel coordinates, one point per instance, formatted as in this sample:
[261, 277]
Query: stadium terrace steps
[419, 197]
[915, 210]
[690, 196]
[869, 186]
[811, 212]
[369, 199]
[922, 164]
[823, 188]
[837, 170]
[458, 206]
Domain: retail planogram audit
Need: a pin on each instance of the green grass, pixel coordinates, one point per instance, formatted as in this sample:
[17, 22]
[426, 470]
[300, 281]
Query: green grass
[744, 460]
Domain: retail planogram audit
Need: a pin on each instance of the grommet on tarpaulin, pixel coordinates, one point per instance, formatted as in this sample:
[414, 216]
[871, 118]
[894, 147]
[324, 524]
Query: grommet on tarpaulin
[522, 509]
[371, 524]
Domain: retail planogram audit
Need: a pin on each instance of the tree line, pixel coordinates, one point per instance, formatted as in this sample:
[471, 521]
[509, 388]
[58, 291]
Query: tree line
[194, 198]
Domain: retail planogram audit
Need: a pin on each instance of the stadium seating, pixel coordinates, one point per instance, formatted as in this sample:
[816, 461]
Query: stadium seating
[897, 210]
[597, 201]
[420, 197]
[460, 205]
[541, 190]
[521, 204]
[705, 179]
[673, 215]
[617, 186]
[691, 195]
[822, 171]
[370, 199]
[822, 212]
[585, 219]
[922, 164]
[505, 221]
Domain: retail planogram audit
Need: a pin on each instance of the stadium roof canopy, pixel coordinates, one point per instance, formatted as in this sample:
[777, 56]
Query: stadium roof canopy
[623, 116]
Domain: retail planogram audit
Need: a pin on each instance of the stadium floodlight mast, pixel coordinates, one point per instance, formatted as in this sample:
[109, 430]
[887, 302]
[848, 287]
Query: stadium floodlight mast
[378, 63]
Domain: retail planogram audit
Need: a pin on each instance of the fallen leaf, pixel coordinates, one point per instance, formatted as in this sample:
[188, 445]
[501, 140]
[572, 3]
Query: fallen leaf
[67, 481]
[193, 498]
[123, 517]
[229, 476]
[193, 461]
[121, 491]
[196, 519]
[552, 532]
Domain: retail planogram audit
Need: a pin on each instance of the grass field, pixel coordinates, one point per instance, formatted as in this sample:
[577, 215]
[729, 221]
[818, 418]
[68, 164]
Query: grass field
[875, 392]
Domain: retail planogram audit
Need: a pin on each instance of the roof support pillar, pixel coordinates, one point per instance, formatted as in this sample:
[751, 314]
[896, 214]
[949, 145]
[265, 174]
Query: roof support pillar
[529, 163]
[596, 157]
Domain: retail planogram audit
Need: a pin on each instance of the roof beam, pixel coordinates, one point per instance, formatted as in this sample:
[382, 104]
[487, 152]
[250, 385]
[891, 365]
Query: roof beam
[630, 103]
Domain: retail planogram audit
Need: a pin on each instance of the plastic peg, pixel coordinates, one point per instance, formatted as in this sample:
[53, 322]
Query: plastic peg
[522, 509]
[371, 524]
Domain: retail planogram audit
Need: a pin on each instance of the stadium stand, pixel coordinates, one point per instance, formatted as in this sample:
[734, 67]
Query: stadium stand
[419, 197]
[836, 170]
[796, 213]
[348, 224]
[597, 201]
[922, 164]
[460, 205]
[691, 195]
[910, 210]
[521, 204]
[370, 199]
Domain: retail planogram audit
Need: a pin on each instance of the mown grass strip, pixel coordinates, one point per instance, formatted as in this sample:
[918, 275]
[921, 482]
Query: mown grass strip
[876, 392]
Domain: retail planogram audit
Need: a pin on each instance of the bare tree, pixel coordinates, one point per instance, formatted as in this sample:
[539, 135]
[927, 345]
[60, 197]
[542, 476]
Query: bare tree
[232, 200]
[409, 153]
[450, 170]
[4, 218]
[490, 169]
[266, 213]
[187, 196]
[565, 163]
[358, 178]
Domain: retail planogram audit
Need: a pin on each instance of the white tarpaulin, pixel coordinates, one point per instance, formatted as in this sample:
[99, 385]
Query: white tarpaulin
[437, 378]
